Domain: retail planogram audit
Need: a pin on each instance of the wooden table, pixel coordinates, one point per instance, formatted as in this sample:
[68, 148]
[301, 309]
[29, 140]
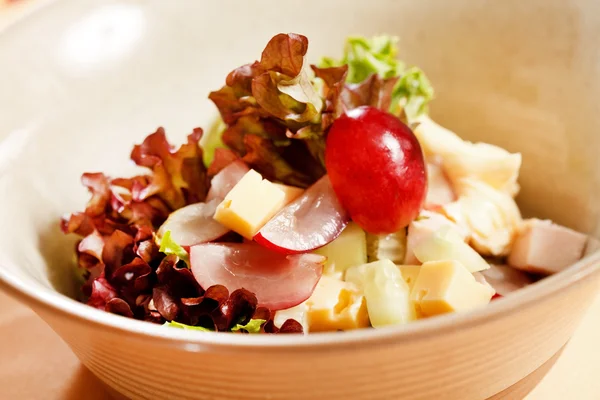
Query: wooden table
[36, 364]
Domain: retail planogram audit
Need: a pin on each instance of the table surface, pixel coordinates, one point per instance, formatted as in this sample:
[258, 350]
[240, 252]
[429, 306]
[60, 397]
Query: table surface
[35, 363]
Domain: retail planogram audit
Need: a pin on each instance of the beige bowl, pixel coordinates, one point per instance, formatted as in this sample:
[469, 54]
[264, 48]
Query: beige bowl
[83, 80]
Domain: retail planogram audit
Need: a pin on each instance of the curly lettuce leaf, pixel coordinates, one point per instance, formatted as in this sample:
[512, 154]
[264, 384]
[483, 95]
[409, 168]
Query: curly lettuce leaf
[169, 246]
[365, 57]
[275, 103]
[377, 56]
[179, 325]
[253, 326]
[178, 177]
[412, 94]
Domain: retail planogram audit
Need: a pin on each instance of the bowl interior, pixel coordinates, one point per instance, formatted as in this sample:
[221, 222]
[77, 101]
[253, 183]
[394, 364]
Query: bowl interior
[84, 80]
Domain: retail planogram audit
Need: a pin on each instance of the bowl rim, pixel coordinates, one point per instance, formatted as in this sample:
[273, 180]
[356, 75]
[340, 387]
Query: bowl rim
[37, 297]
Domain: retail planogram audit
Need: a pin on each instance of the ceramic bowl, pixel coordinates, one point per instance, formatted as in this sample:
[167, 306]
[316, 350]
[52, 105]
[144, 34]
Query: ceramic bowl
[82, 80]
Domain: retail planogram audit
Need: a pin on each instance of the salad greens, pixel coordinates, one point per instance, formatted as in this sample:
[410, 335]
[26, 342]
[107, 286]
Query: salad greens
[251, 327]
[366, 57]
[178, 325]
[168, 246]
[211, 141]
[277, 111]
[411, 92]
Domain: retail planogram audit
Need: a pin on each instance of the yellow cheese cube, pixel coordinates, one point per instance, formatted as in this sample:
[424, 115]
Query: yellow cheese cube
[386, 292]
[448, 286]
[291, 192]
[349, 249]
[336, 305]
[252, 202]
[410, 274]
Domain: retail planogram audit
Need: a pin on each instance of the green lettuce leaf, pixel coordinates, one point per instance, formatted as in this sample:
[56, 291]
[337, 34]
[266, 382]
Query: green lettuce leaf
[168, 246]
[212, 140]
[378, 56]
[253, 326]
[179, 325]
[366, 57]
[412, 94]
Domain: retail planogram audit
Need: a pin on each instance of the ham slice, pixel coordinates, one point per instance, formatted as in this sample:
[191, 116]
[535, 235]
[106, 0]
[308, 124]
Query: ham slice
[504, 279]
[544, 247]
[592, 246]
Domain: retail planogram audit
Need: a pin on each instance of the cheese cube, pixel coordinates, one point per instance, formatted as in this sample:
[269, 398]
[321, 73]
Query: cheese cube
[410, 274]
[349, 249]
[359, 274]
[448, 286]
[252, 202]
[291, 192]
[386, 292]
[336, 305]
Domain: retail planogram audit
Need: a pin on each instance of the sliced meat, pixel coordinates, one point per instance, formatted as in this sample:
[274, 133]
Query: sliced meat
[505, 279]
[545, 247]
[592, 246]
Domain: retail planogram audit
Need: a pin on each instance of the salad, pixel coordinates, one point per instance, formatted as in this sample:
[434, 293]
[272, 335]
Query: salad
[323, 199]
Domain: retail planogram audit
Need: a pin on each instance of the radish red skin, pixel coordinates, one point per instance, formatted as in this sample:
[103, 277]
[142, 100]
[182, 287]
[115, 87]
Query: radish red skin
[377, 169]
[313, 220]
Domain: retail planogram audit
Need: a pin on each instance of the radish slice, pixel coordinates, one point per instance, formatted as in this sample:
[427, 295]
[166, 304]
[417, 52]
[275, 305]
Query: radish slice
[311, 221]
[278, 281]
[226, 179]
[194, 224]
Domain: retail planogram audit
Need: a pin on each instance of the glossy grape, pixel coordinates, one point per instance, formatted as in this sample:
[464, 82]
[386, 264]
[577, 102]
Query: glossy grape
[377, 169]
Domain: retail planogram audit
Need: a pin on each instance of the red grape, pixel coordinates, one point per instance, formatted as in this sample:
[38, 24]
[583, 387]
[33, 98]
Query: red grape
[377, 169]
